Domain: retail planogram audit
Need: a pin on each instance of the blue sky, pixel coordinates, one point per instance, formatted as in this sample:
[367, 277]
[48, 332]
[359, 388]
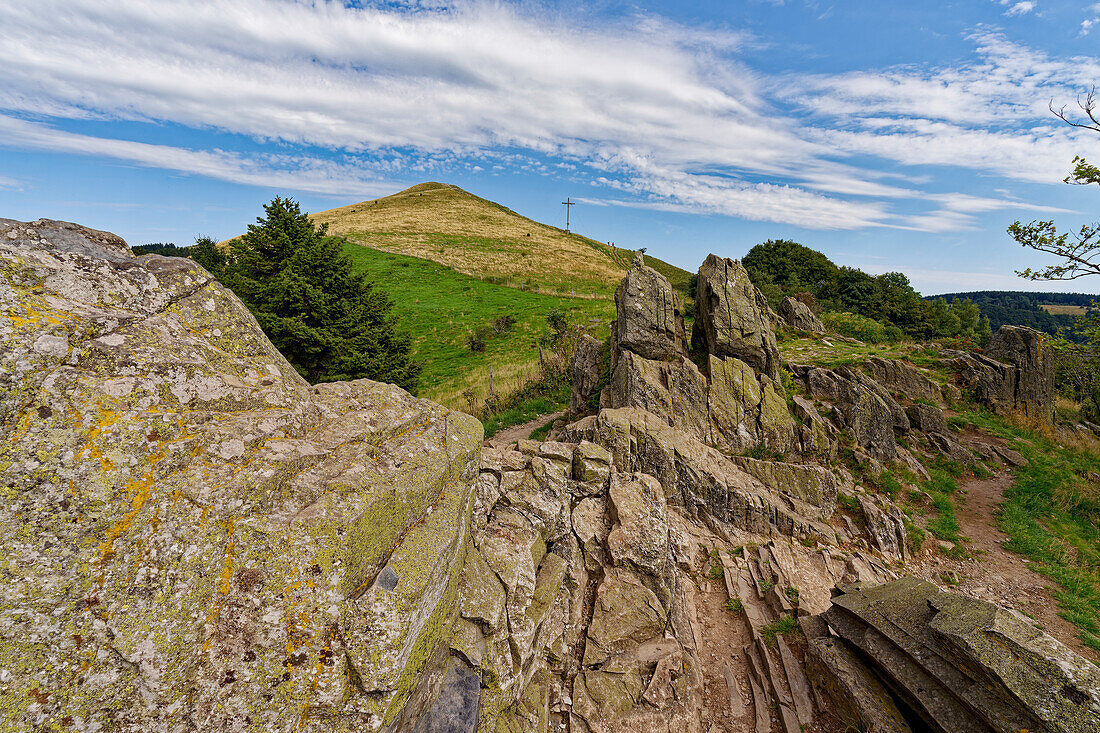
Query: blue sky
[890, 135]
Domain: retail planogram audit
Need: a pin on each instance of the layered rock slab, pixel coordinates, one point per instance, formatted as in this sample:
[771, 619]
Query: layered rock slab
[194, 533]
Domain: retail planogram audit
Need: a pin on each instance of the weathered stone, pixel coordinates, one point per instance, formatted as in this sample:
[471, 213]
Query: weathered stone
[1014, 375]
[1029, 351]
[481, 596]
[861, 405]
[591, 464]
[734, 404]
[926, 418]
[960, 663]
[1011, 457]
[585, 367]
[201, 529]
[953, 449]
[812, 484]
[885, 526]
[799, 316]
[861, 700]
[648, 321]
[640, 537]
[903, 378]
[731, 317]
[817, 434]
[675, 390]
[625, 615]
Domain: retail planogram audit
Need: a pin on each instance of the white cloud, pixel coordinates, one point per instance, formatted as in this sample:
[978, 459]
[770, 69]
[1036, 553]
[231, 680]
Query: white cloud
[1017, 8]
[345, 99]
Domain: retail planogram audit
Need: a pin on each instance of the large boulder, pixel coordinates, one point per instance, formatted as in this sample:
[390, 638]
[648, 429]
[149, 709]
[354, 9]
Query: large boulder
[731, 317]
[586, 368]
[861, 405]
[799, 316]
[194, 533]
[648, 321]
[957, 663]
[1014, 375]
[902, 378]
[1029, 351]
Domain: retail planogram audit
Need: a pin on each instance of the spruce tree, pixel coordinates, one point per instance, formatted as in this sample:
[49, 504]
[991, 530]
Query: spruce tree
[330, 322]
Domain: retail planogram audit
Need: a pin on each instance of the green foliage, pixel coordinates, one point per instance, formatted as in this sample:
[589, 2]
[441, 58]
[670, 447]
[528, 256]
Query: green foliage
[855, 326]
[165, 249]
[781, 626]
[327, 319]
[735, 605]
[548, 393]
[716, 572]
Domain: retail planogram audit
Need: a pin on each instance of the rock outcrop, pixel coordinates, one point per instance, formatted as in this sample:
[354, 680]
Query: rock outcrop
[1014, 375]
[954, 663]
[586, 368]
[731, 317]
[194, 535]
[798, 316]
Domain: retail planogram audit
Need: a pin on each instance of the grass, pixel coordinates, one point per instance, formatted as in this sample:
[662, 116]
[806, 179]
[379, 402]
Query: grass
[441, 308]
[779, 627]
[535, 398]
[1051, 514]
[445, 224]
[735, 605]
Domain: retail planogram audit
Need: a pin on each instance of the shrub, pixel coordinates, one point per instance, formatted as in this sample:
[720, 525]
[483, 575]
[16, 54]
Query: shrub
[855, 326]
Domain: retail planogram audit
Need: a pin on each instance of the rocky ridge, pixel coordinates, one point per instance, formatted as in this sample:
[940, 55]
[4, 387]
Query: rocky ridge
[197, 537]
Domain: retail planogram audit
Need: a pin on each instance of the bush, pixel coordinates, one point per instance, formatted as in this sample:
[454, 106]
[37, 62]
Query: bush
[502, 324]
[476, 342]
[855, 326]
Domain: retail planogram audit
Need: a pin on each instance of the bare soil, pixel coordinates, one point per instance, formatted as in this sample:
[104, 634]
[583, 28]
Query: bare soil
[507, 436]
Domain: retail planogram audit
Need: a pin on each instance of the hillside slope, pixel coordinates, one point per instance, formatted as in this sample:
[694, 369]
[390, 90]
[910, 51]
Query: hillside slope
[477, 237]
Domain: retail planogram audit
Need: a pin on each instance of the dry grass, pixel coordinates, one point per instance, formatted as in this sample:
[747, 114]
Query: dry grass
[1064, 310]
[443, 223]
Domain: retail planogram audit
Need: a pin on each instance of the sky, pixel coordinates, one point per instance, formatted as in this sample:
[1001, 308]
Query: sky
[892, 135]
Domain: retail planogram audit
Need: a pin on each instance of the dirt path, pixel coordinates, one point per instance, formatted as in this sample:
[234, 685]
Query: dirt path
[507, 436]
[726, 636]
[993, 573]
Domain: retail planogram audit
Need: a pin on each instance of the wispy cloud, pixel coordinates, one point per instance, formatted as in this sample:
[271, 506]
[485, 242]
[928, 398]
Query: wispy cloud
[346, 99]
[1017, 7]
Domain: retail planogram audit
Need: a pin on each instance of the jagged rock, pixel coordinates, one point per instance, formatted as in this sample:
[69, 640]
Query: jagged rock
[953, 449]
[1015, 374]
[816, 434]
[626, 614]
[799, 316]
[640, 537]
[731, 317]
[861, 405]
[903, 378]
[861, 701]
[648, 321]
[885, 526]
[812, 484]
[591, 464]
[959, 663]
[675, 390]
[1011, 457]
[201, 528]
[585, 368]
[926, 418]
[746, 410]
[1028, 350]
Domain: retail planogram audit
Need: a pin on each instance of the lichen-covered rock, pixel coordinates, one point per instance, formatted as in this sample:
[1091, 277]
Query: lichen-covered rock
[861, 405]
[814, 485]
[585, 367]
[674, 390]
[926, 418]
[1014, 375]
[648, 321]
[799, 316]
[885, 526]
[860, 698]
[192, 532]
[731, 317]
[903, 378]
[959, 663]
[1029, 351]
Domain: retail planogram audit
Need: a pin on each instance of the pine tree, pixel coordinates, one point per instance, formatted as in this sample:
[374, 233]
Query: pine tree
[330, 322]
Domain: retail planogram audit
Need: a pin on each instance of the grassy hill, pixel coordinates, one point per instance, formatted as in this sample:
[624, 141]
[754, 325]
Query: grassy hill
[454, 262]
[476, 237]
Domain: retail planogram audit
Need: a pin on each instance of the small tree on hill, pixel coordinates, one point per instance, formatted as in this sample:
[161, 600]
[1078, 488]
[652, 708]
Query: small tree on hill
[327, 320]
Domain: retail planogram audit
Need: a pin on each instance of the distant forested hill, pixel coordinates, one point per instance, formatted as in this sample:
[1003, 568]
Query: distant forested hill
[1043, 311]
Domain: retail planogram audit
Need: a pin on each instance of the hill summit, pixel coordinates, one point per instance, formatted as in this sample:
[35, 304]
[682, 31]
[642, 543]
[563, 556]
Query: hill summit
[475, 236]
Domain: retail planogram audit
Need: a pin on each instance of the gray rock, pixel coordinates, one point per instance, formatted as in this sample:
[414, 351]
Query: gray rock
[204, 528]
[860, 698]
[799, 316]
[885, 526]
[731, 317]
[903, 378]
[926, 418]
[1014, 375]
[585, 368]
[648, 321]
